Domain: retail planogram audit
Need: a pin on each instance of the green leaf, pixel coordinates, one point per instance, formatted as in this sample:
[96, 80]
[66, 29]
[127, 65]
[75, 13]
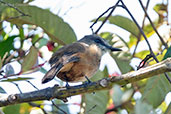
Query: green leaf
[124, 23]
[156, 89]
[2, 90]
[158, 85]
[160, 8]
[13, 1]
[0, 63]
[30, 59]
[35, 38]
[123, 41]
[148, 29]
[62, 106]
[6, 45]
[9, 70]
[12, 109]
[21, 33]
[122, 59]
[105, 72]
[143, 108]
[25, 108]
[142, 54]
[132, 41]
[117, 95]
[16, 79]
[58, 30]
[168, 53]
[96, 103]
[29, 1]
[42, 42]
[127, 95]
[43, 70]
[110, 36]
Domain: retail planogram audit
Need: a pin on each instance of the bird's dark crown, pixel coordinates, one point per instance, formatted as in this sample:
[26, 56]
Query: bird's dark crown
[100, 42]
[93, 39]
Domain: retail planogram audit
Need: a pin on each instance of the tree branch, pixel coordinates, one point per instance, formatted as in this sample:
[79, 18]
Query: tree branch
[106, 83]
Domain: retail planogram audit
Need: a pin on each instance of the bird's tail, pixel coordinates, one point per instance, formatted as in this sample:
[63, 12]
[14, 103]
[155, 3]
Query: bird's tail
[51, 73]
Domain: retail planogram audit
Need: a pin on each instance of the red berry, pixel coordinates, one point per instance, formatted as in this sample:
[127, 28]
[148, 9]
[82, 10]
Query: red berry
[50, 45]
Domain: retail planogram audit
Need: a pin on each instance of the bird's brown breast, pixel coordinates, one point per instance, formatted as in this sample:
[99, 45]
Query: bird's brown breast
[87, 65]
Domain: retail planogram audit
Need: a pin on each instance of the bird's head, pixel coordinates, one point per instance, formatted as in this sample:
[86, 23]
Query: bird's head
[99, 42]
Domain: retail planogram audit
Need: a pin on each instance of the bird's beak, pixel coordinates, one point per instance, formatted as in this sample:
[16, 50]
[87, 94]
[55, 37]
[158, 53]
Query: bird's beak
[112, 48]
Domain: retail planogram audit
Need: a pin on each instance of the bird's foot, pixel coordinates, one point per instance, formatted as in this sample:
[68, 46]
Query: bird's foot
[67, 85]
[88, 80]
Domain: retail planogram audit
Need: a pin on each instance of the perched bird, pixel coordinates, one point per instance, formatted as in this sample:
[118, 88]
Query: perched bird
[78, 61]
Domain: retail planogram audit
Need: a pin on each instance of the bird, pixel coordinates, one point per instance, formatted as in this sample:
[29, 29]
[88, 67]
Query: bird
[78, 61]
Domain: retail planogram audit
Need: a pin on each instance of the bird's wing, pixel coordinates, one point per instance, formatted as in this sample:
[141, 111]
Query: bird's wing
[67, 50]
[63, 59]
[51, 73]
[56, 68]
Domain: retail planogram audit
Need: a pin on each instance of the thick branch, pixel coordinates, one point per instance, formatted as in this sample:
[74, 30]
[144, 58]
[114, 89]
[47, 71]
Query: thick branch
[106, 83]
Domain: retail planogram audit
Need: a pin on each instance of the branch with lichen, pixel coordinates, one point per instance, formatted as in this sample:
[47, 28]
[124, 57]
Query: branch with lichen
[105, 83]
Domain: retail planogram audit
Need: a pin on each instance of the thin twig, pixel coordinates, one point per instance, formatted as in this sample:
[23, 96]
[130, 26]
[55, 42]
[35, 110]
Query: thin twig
[139, 35]
[4, 76]
[17, 87]
[107, 17]
[99, 18]
[58, 107]
[32, 85]
[37, 105]
[151, 51]
[7, 60]
[161, 39]
[113, 8]
[91, 108]
[143, 62]
[159, 53]
[4, 57]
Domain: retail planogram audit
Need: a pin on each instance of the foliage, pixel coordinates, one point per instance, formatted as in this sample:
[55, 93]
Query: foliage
[49, 31]
[124, 23]
[17, 109]
[100, 99]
